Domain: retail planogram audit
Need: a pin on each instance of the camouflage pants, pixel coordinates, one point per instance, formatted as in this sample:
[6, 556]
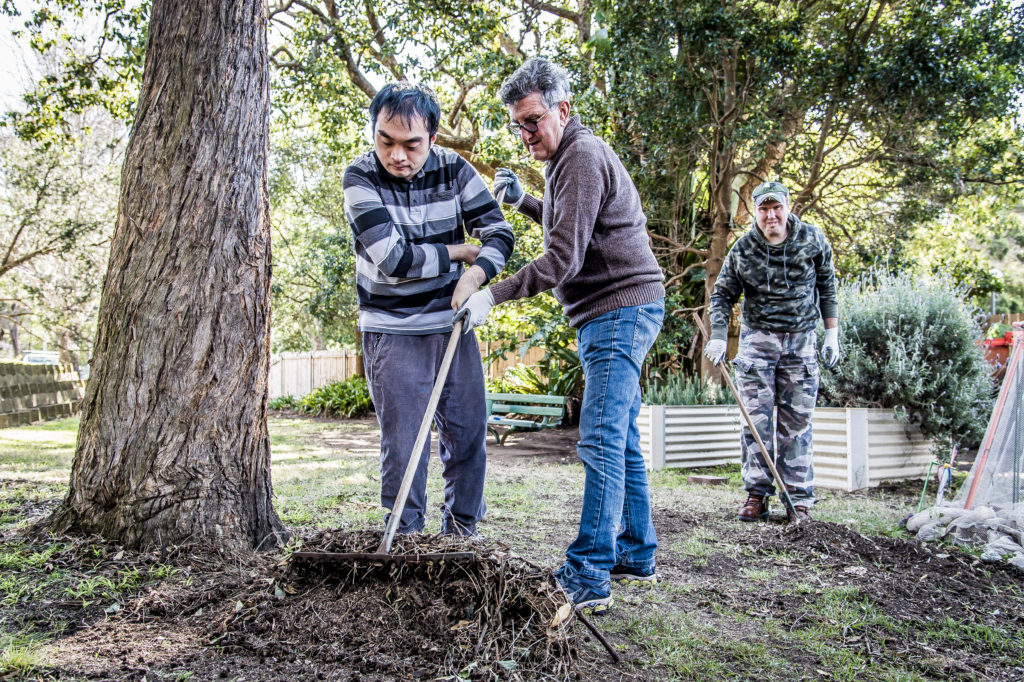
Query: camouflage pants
[777, 379]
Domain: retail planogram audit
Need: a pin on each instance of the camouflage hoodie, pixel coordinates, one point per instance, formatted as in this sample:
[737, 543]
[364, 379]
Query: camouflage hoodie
[784, 286]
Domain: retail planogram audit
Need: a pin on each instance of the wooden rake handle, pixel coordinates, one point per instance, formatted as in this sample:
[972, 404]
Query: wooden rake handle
[783, 491]
[421, 439]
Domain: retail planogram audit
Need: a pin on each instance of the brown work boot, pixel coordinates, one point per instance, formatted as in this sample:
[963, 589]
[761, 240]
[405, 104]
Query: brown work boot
[754, 509]
[800, 513]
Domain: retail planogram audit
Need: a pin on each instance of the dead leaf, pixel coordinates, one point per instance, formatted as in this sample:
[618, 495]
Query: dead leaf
[562, 615]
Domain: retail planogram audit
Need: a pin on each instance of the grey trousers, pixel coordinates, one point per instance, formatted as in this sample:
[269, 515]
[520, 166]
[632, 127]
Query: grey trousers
[400, 371]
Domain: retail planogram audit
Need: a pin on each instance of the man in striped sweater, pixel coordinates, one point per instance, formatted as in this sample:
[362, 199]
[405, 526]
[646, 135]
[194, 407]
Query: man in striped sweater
[410, 205]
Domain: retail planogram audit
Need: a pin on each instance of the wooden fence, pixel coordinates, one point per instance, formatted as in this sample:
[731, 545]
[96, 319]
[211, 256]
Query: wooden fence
[31, 393]
[1004, 318]
[497, 367]
[297, 374]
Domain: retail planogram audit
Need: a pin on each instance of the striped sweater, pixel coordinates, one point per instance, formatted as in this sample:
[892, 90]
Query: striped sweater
[404, 278]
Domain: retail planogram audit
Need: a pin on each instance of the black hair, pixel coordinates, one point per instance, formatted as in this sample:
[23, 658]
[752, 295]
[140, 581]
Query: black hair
[406, 100]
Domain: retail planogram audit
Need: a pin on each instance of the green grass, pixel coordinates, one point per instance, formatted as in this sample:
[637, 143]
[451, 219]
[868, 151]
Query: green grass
[698, 625]
[320, 485]
[17, 556]
[868, 512]
[758, 575]
[692, 646]
[41, 452]
[698, 546]
[20, 655]
[949, 631]
[101, 587]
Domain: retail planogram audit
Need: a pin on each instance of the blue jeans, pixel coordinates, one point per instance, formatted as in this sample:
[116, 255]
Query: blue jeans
[615, 522]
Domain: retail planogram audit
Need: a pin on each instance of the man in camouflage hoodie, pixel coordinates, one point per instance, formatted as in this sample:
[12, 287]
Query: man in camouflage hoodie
[783, 269]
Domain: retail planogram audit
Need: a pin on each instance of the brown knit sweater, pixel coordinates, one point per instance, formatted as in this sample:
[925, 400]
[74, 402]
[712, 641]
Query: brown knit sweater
[597, 254]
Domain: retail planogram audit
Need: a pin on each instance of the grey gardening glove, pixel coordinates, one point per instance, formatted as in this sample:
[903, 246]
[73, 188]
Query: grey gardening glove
[475, 309]
[506, 180]
[715, 351]
[830, 347]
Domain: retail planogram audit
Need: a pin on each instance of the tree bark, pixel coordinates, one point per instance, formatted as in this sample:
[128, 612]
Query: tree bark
[173, 444]
[721, 233]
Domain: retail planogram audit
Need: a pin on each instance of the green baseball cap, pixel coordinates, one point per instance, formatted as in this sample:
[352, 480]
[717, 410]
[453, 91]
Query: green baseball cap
[770, 191]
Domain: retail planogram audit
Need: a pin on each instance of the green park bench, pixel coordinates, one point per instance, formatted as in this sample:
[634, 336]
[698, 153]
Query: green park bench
[523, 412]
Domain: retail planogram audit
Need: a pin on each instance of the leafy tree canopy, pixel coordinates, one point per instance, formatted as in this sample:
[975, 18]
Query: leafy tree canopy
[880, 116]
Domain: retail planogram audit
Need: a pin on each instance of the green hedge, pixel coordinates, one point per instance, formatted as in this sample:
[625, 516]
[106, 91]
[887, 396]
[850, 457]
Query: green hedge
[285, 402]
[348, 398]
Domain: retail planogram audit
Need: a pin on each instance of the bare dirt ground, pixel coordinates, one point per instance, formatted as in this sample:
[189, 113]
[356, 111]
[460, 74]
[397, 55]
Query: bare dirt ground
[815, 601]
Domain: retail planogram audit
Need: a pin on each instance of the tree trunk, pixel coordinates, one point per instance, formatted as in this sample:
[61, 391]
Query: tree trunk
[173, 444]
[720, 190]
[720, 235]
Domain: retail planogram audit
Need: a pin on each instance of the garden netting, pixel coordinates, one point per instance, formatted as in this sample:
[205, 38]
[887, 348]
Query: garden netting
[987, 512]
[995, 479]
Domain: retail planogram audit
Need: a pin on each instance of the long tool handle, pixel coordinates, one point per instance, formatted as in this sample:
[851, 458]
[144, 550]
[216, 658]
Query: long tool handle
[500, 198]
[421, 439]
[783, 491]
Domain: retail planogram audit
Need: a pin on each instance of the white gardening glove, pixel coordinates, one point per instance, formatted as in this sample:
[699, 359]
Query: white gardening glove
[715, 351]
[830, 347]
[476, 309]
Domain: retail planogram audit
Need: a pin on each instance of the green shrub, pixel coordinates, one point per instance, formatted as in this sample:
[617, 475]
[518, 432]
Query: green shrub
[998, 330]
[284, 402]
[348, 398]
[679, 389]
[560, 373]
[518, 379]
[910, 344]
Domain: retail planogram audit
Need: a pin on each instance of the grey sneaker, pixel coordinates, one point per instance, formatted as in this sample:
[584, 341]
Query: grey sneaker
[627, 575]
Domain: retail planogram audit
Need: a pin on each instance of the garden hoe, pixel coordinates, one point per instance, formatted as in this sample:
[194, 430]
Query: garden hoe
[783, 492]
[383, 553]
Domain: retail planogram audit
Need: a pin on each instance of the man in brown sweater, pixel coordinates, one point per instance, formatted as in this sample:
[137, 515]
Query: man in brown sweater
[597, 258]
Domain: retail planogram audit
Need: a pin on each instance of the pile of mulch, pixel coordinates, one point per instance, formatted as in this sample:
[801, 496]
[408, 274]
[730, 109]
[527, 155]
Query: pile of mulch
[265, 617]
[495, 617]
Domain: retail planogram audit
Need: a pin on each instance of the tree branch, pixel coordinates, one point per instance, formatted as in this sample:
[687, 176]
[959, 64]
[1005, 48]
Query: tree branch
[388, 60]
[11, 264]
[553, 9]
[678, 247]
[286, 8]
[678, 277]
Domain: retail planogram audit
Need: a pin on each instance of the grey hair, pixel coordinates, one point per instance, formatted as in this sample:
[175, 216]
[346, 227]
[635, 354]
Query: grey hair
[536, 75]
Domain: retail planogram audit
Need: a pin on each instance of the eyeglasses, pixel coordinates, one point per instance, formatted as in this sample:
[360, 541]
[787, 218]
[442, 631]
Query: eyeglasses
[528, 126]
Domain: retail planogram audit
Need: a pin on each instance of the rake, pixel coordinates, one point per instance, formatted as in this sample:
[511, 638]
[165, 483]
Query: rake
[783, 491]
[383, 553]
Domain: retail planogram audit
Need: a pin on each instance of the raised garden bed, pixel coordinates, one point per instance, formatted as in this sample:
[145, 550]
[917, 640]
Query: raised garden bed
[854, 448]
[689, 436]
[859, 447]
